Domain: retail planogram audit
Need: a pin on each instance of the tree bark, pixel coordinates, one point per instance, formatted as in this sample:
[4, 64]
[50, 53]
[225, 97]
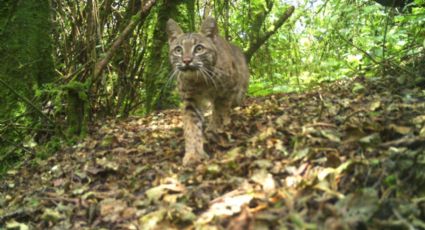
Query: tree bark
[158, 67]
[26, 61]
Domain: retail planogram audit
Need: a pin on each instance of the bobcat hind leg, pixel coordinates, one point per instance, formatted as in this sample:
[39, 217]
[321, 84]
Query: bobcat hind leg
[220, 114]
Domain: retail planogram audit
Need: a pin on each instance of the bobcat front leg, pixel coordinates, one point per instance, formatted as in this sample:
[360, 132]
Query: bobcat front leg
[193, 133]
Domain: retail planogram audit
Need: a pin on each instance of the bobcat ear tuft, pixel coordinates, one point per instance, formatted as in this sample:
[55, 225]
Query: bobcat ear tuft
[209, 27]
[173, 30]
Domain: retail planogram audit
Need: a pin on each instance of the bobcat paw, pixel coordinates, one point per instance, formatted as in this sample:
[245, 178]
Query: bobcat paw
[213, 128]
[211, 135]
[191, 158]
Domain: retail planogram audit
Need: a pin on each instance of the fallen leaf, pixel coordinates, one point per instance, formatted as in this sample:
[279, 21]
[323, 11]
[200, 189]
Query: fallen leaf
[51, 215]
[360, 205]
[244, 221]
[227, 205]
[110, 209]
[151, 220]
[265, 179]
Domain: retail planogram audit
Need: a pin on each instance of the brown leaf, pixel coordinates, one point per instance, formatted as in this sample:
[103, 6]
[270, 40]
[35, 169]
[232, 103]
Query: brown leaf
[244, 221]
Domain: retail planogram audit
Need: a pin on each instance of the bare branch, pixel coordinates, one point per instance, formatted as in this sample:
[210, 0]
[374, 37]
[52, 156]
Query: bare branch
[26, 100]
[264, 37]
[141, 15]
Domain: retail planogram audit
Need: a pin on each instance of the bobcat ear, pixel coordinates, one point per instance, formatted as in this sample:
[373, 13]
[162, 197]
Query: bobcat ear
[209, 27]
[173, 30]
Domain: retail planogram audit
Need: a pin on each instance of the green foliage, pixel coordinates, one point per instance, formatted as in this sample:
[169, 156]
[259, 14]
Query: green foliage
[26, 62]
[77, 108]
[336, 39]
[48, 149]
[25, 65]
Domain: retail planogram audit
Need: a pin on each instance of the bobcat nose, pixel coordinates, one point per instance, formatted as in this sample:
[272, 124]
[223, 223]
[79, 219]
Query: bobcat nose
[187, 60]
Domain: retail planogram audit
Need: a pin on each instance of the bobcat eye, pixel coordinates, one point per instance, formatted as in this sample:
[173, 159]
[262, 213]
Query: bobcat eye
[199, 48]
[178, 50]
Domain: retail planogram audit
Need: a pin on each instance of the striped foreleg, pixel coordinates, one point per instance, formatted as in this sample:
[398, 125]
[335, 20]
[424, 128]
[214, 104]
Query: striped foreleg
[193, 133]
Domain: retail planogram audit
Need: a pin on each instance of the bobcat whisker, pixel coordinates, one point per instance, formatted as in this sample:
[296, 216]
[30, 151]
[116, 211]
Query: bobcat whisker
[214, 73]
[178, 75]
[171, 78]
[214, 76]
[209, 77]
[203, 76]
[217, 70]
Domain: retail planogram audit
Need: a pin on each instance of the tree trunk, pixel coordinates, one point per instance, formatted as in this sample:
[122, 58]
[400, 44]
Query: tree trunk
[26, 53]
[26, 64]
[158, 68]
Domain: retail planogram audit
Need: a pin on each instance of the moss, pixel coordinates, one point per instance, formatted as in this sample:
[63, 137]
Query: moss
[158, 51]
[136, 17]
[78, 109]
[26, 62]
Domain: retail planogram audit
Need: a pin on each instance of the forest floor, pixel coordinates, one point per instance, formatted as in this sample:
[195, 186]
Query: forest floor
[350, 155]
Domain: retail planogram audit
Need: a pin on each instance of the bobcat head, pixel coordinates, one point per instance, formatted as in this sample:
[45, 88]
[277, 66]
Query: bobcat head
[193, 51]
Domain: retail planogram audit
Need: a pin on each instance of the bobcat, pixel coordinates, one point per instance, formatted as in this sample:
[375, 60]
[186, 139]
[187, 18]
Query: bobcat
[208, 68]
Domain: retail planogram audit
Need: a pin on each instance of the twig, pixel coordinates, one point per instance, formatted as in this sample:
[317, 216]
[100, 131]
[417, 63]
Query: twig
[355, 112]
[405, 222]
[141, 15]
[404, 141]
[54, 197]
[360, 49]
[22, 212]
[384, 42]
[374, 60]
[8, 154]
[262, 39]
[27, 101]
